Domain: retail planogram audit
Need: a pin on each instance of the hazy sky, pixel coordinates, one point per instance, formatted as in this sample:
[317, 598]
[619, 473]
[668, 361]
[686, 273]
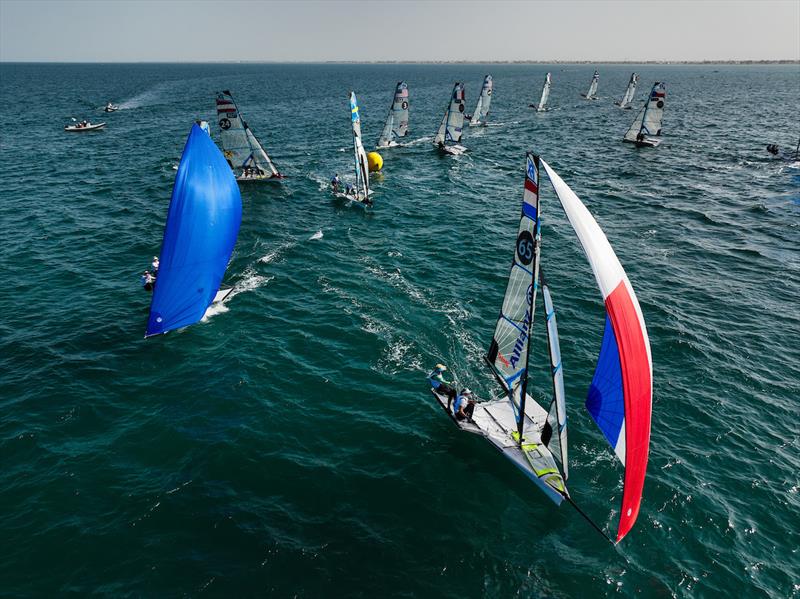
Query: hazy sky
[167, 30]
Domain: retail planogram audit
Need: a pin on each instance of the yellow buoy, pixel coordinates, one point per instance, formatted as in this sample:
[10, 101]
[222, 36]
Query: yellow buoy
[375, 162]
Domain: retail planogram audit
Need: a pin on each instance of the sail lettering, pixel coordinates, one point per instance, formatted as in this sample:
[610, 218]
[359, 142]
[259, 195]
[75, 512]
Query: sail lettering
[519, 345]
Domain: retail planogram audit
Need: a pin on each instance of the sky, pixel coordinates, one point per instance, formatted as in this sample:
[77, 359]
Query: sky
[376, 30]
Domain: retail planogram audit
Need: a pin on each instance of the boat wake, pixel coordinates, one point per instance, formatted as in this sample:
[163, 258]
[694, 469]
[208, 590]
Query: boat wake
[278, 252]
[146, 98]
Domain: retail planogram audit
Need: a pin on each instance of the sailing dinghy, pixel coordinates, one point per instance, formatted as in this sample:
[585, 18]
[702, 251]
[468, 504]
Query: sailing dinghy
[647, 123]
[534, 437]
[452, 125]
[630, 92]
[357, 195]
[203, 220]
[542, 105]
[396, 126]
[244, 153]
[481, 114]
[591, 94]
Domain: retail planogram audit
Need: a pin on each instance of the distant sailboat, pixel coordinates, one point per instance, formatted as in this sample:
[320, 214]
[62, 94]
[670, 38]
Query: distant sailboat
[396, 126]
[630, 92]
[452, 125]
[592, 93]
[242, 150]
[481, 114]
[534, 437]
[203, 220]
[647, 123]
[358, 194]
[542, 105]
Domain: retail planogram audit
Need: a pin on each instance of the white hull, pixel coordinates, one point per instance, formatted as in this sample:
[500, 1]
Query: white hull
[495, 420]
[589, 97]
[454, 150]
[222, 294]
[259, 179]
[391, 144]
[352, 200]
[76, 129]
[647, 142]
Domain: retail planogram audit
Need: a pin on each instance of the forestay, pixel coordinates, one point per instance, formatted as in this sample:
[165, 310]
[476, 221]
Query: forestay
[620, 395]
[452, 124]
[203, 220]
[396, 126]
[240, 146]
[481, 114]
[630, 91]
[508, 352]
[360, 156]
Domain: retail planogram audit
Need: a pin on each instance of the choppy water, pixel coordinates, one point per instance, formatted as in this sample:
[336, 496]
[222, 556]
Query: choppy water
[288, 445]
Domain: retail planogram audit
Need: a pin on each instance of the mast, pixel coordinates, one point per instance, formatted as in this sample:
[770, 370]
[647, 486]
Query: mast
[537, 241]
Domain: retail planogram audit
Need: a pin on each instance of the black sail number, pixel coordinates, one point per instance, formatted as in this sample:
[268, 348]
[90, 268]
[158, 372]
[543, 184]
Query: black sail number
[525, 247]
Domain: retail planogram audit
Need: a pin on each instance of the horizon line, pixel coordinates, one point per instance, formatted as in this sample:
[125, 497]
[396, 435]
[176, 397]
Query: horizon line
[367, 62]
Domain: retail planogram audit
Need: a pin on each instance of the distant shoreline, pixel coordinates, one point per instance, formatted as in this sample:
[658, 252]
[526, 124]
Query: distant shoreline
[434, 62]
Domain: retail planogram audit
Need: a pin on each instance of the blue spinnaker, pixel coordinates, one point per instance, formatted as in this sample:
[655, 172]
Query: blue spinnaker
[202, 224]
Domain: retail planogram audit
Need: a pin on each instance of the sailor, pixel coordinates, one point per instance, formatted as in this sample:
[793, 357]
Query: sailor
[464, 405]
[441, 145]
[773, 149]
[155, 265]
[442, 385]
[335, 183]
[640, 136]
[148, 280]
[348, 190]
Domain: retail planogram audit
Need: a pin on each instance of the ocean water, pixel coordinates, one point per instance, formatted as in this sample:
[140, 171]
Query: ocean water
[288, 445]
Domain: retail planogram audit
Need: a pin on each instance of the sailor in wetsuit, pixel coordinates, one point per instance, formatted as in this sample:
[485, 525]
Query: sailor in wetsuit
[335, 183]
[464, 405]
[441, 385]
[148, 281]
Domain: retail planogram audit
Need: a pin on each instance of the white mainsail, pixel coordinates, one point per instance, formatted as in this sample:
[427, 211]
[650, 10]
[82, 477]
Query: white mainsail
[240, 147]
[360, 156]
[591, 94]
[648, 119]
[542, 106]
[452, 124]
[481, 113]
[396, 125]
[629, 92]
[554, 435]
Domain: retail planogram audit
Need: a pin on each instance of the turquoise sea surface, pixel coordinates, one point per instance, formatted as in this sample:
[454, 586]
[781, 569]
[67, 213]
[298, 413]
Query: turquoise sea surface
[288, 445]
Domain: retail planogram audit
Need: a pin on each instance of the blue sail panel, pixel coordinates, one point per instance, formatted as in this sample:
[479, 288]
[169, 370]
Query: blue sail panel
[205, 212]
[605, 401]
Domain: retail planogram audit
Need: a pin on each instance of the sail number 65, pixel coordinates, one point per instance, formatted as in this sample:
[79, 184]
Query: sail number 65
[525, 247]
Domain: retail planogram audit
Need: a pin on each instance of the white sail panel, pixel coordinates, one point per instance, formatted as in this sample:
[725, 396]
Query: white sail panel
[651, 123]
[260, 158]
[555, 434]
[235, 146]
[636, 126]
[481, 113]
[630, 91]
[396, 125]
[593, 86]
[545, 94]
[455, 115]
[508, 352]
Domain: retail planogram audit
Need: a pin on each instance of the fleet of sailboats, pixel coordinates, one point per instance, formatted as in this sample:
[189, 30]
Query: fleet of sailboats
[630, 92]
[451, 128]
[534, 437]
[396, 126]
[202, 226]
[591, 93]
[646, 127]
[203, 220]
[481, 114]
[244, 153]
[542, 105]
